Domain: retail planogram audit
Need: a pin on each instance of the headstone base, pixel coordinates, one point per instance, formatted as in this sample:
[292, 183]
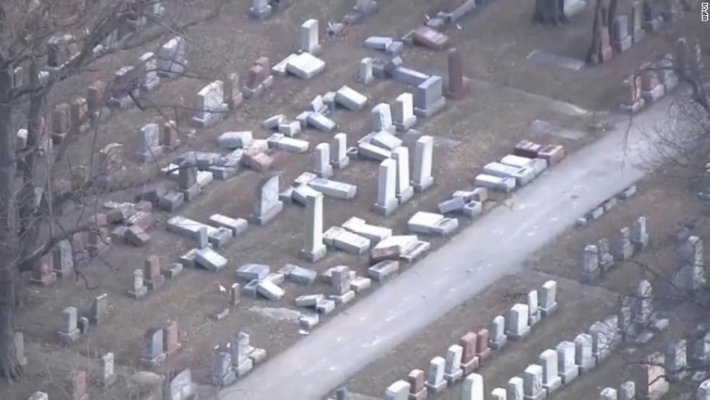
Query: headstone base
[260, 13]
[548, 311]
[157, 282]
[470, 366]
[342, 163]
[484, 355]
[436, 388]
[326, 172]
[406, 124]
[654, 94]
[268, 215]
[386, 209]
[423, 185]
[244, 367]
[498, 344]
[405, 195]
[534, 319]
[518, 336]
[569, 375]
[537, 396]
[69, 337]
[454, 378]
[461, 93]
[430, 111]
[153, 362]
[208, 119]
[315, 254]
[553, 385]
[420, 395]
[343, 299]
[623, 44]
[137, 294]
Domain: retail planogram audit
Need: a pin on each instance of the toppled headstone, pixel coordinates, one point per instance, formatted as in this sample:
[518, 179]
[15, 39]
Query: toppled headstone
[346, 241]
[305, 65]
[431, 224]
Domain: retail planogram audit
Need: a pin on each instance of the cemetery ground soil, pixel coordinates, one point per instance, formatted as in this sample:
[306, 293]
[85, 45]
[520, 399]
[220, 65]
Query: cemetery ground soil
[668, 206]
[487, 124]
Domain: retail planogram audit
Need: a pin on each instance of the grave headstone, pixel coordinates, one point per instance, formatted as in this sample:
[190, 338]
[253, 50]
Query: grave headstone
[99, 309]
[210, 105]
[533, 308]
[428, 97]
[566, 363]
[149, 70]
[152, 274]
[404, 191]
[417, 387]
[138, 289]
[532, 382]
[590, 264]
[171, 338]
[583, 352]
[622, 41]
[149, 148]
[386, 188]
[152, 353]
[452, 369]
[180, 387]
[458, 86]
[515, 388]
[472, 387]
[650, 378]
[703, 392]
[423, 158]
[639, 234]
[69, 332]
[518, 326]
[365, 75]
[403, 112]
[627, 391]
[309, 37]
[222, 370]
[314, 249]
[63, 262]
[338, 156]
[322, 161]
[551, 380]
[382, 118]
[498, 337]
[172, 61]
[435, 378]
[260, 9]
[676, 360]
[267, 205]
[80, 385]
[398, 391]
[108, 374]
[642, 308]
[548, 302]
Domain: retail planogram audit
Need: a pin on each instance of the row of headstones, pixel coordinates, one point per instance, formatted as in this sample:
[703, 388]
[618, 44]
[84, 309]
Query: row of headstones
[180, 386]
[606, 206]
[134, 219]
[74, 326]
[661, 76]
[600, 258]
[473, 349]
[235, 360]
[152, 277]
[617, 36]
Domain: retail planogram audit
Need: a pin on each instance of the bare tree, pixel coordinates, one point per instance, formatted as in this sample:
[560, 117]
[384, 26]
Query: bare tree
[28, 227]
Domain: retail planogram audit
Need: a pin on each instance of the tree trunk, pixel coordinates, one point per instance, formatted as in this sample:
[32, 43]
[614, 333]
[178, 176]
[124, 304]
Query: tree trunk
[9, 364]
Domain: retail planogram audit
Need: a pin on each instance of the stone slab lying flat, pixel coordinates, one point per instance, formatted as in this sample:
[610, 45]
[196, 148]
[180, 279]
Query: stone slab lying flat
[305, 65]
[362, 228]
[210, 259]
[431, 224]
[236, 226]
[301, 276]
[250, 272]
[302, 192]
[350, 98]
[339, 190]
[346, 241]
[495, 183]
[320, 122]
[383, 270]
[270, 290]
[368, 150]
[385, 140]
[235, 140]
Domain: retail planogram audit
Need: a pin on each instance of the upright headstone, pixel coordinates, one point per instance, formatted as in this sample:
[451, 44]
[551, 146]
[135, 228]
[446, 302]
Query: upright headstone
[532, 382]
[642, 308]
[518, 326]
[457, 84]
[222, 370]
[322, 161]
[650, 378]
[382, 118]
[469, 360]
[314, 249]
[566, 364]
[548, 294]
[171, 338]
[152, 273]
[386, 188]
[99, 309]
[515, 388]
[338, 153]
[63, 262]
[19, 340]
[404, 190]
[309, 37]
[533, 308]
[180, 387]
[551, 380]
[472, 388]
[403, 112]
[417, 389]
[365, 75]
[608, 394]
[423, 158]
[398, 391]
[639, 234]
[590, 264]
[637, 21]
[583, 352]
[70, 331]
[211, 106]
[452, 370]
[80, 385]
[267, 204]
[108, 375]
[149, 70]
[621, 39]
[428, 97]
[172, 61]
[676, 360]
[152, 353]
[498, 337]
[435, 378]
[149, 148]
